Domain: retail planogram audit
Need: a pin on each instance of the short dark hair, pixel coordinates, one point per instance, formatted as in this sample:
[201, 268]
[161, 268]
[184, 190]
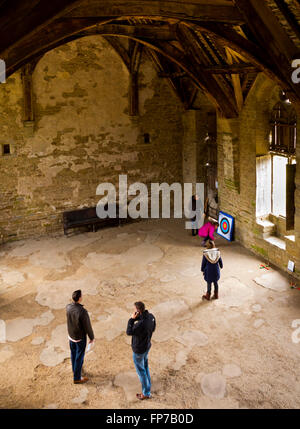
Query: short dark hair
[76, 295]
[140, 306]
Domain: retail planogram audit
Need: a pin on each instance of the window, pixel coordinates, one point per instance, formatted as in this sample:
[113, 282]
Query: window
[279, 185]
[146, 138]
[5, 149]
[263, 186]
[283, 133]
[275, 187]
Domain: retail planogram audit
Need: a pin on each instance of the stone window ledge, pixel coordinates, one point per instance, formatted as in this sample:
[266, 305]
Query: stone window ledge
[265, 223]
[275, 241]
[291, 238]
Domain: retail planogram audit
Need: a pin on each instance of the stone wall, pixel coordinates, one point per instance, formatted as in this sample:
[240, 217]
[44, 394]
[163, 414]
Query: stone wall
[82, 135]
[206, 127]
[239, 142]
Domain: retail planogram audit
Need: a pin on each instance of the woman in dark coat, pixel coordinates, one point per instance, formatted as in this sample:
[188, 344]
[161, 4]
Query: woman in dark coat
[211, 264]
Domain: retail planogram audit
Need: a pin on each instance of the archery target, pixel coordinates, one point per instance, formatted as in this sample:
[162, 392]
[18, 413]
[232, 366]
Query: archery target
[226, 225]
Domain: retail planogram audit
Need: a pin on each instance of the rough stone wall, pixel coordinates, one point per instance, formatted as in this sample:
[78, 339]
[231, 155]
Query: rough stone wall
[189, 150]
[239, 142]
[82, 135]
[205, 127]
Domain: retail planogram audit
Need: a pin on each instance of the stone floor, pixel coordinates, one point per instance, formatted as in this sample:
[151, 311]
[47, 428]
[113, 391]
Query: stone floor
[239, 352]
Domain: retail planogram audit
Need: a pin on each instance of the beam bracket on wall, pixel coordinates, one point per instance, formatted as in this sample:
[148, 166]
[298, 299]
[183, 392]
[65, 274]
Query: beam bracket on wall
[28, 104]
[131, 58]
[135, 52]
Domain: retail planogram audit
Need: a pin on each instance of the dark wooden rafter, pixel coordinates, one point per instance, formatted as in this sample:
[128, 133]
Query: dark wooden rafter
[154, 31]
[237, 62]
[195, 58]
[192, 41]
[229, 37]
[58, 34]
[28, 113]
[23, 18]
[120, 49]
[236, 68]
[214, 49]
[258, 55]
[236, 82]
[163, 68]
[135, 52]
[272, 39]
[192, 97]
[172, 74]
[28, 106]
[24, 21]
[131, 57]
[209, 50]
[151, 10]
[247, 83]
[289, 16]
[242, 82]
[55, 34]
[265, 26]
[180, 58]
[64, 31]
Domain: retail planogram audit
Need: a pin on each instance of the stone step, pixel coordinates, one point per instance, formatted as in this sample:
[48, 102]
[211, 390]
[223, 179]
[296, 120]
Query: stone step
[266, 228]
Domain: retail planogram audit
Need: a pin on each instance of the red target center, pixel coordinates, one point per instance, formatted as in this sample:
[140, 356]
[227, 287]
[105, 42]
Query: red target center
[225, 226]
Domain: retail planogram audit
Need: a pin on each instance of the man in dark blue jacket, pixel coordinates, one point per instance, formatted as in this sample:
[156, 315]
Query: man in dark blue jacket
[141, 326]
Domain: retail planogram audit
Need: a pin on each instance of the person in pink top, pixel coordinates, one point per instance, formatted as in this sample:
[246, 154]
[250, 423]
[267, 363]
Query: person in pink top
[207, 231]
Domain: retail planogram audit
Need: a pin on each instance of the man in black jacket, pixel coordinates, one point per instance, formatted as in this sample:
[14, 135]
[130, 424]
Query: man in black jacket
[141, 326]
[79, 326]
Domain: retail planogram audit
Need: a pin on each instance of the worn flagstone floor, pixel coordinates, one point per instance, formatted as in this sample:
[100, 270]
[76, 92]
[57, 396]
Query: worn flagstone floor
[237, 352]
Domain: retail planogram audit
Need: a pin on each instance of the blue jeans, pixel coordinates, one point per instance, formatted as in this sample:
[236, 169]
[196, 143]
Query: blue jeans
[77, 357]
[209, 287]
[142, 369]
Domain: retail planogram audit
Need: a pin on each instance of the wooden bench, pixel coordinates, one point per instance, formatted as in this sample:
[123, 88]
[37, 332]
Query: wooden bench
[88, 217]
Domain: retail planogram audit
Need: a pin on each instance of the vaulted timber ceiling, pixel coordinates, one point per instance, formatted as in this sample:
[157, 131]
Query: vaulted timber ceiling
[214, 46]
